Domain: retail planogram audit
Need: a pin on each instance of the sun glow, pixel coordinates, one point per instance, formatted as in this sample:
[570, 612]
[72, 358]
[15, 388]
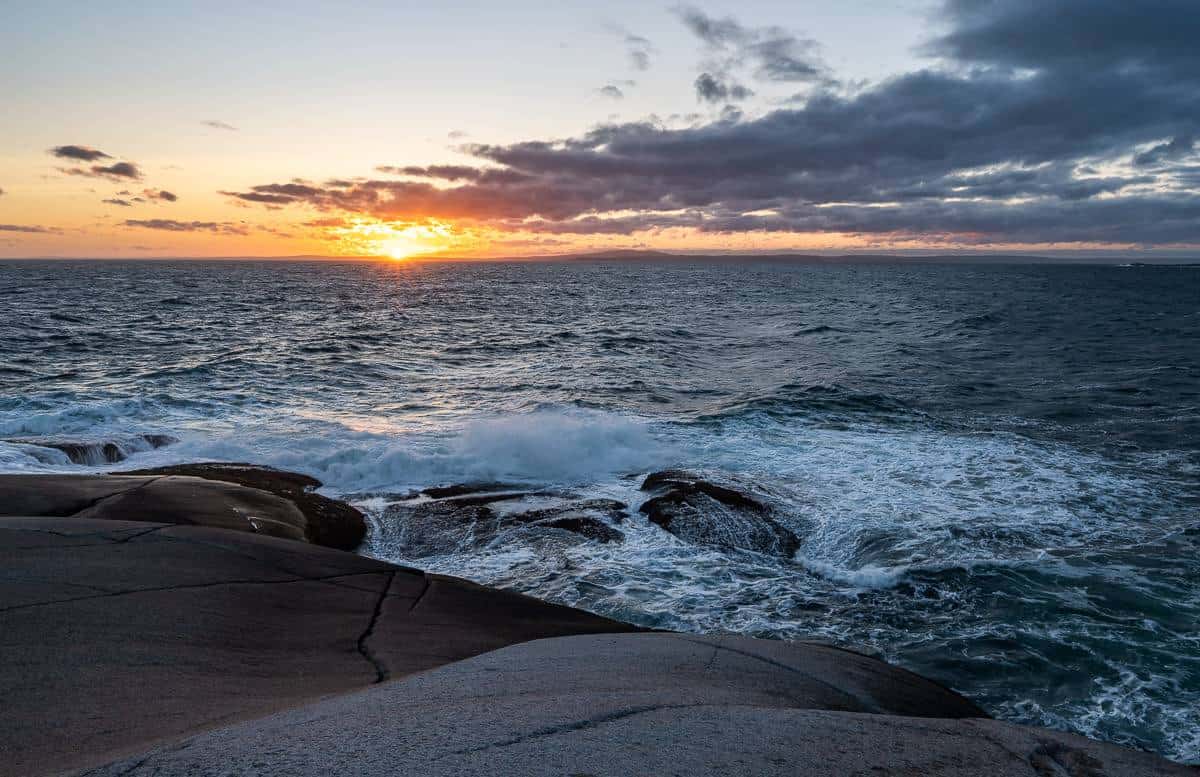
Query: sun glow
[397, 240]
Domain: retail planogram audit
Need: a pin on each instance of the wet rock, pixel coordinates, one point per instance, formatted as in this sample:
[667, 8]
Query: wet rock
[429, 527]
[707, 513]
[98, 452]
[586, 518]
[328, 522]
[467, 489]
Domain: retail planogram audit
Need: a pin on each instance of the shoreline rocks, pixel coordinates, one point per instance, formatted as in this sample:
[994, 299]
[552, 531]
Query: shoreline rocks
[241, 497]
[187, 621]
[459, 518]
[644, 704]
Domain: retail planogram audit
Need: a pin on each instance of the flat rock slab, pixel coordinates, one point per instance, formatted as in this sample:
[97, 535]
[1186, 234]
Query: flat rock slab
[646, 704]
[115, 634]
[228, 496]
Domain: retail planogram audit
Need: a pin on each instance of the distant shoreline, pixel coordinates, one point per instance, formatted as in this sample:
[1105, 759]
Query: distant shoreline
[651, 257]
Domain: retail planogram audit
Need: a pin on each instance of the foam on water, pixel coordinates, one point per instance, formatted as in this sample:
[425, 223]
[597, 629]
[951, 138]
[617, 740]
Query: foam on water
[992, 471]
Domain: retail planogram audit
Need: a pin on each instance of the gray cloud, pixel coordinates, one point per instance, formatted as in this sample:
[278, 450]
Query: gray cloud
[118, 171]
[160, 194]
[639, 50]
[992, 145]
[79, 153]
[710, 89]
[119, 202]
[612, 91]
[170, 225]
[1177, 148]
[219, 125]
[774, 53]
[29, 229]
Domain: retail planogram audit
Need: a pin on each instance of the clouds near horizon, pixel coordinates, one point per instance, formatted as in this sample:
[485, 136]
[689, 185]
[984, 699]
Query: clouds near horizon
[1079, 130]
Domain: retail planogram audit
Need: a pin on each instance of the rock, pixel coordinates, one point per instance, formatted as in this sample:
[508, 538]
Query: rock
[644, 704]
[98, 452]
[706, 513]
[328, 522]
[239, 497]
[115, 635]
[464, 489]
[419, 528]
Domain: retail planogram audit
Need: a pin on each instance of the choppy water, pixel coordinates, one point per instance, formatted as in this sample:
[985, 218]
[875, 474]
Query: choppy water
[995, 471]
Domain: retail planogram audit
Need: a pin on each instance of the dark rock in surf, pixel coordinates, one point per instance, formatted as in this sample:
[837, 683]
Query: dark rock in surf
[467, 489]
[98, 452]
[466, 521]
[707, 513]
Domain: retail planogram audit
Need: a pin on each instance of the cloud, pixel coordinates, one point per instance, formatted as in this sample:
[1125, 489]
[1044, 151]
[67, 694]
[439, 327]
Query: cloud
[121, 203]
[1, 192]
[639, 50]
[1177, 148]
[774, 53]
[986, 145]
[612, 91]
[118, 171]
[219, 125]
[29, 229]
[711, 90]
[80, 153]
[161, 194]
[170, 225]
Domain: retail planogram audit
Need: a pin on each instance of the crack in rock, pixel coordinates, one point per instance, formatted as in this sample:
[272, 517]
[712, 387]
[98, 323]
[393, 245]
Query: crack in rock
[381, 671]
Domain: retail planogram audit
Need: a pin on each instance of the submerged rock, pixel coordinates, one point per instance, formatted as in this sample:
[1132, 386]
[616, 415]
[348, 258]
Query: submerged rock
[422, 527]
[707, 513]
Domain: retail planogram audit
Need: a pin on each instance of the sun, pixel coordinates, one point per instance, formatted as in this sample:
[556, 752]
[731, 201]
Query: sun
[396, 240]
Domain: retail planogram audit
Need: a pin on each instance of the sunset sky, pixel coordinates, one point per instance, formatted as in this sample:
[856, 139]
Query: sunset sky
[526, 128]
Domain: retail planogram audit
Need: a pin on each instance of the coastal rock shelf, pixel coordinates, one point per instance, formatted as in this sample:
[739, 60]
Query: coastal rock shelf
[643, 704]
[185, 622]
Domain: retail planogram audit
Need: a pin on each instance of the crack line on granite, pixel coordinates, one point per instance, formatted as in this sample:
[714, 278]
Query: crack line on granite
[567, 728]
[421, 595]
[381, 671]
[130, 490]
[869, 704]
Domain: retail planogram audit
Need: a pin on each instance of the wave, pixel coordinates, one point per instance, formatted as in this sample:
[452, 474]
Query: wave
[89, 453]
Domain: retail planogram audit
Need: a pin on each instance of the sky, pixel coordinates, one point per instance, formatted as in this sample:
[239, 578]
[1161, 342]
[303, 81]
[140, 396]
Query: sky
[521, 128]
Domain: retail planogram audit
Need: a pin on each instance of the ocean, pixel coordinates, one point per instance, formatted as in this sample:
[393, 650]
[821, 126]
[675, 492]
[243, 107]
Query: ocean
[993, 471]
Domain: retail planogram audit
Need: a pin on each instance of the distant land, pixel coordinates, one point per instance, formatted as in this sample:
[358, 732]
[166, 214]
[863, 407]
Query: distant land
[645, 255]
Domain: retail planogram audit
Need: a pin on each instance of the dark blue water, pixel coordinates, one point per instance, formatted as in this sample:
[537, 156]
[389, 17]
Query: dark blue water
[994, 470]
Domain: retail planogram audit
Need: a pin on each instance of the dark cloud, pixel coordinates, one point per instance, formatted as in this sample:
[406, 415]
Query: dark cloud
[1026, 143]
[612, 91]
[29, 229]
[774, 53]
[1177, 148]
[119, 202]
[118, 171]
[219, 125]
[711, 90]
[79, 153]
[170, 225]
[1152, 36]
[161, 194]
